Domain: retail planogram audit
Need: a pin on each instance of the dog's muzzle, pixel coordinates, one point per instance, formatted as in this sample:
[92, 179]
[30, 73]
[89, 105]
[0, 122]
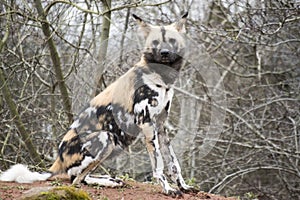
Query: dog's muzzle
[165, 55]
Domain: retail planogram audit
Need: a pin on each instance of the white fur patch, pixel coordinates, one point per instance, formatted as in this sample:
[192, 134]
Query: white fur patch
[103, 137]
[78, 169]
[90, 111]
[85, 145]
[75, 124]
[21, 174]
[164, 96]
[139, 107]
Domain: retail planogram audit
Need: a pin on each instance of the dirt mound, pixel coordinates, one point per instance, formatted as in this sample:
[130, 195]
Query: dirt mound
[133, 191]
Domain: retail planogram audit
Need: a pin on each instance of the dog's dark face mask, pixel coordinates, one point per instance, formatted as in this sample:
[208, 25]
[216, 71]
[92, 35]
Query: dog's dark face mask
[164, 44]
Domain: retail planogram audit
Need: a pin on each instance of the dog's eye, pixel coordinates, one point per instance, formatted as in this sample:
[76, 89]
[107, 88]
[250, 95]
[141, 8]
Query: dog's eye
[172, 41]
[155, 42]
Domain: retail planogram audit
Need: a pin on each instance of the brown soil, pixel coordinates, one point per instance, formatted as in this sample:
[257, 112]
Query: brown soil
[133, 191]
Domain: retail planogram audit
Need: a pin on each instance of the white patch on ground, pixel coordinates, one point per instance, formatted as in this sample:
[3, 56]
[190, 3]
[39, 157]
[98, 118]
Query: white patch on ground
[21, 174]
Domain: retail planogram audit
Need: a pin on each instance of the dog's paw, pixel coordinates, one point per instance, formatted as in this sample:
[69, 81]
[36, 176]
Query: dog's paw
[118, 182]
[78, 185]
[189, 189]
[174, 193]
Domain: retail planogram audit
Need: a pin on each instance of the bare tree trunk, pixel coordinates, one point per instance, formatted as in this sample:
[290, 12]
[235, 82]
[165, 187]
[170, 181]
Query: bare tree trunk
[13, 108]
[55, 60]
[123, 36]
[182, 142]
[17, 120]
[103, 44]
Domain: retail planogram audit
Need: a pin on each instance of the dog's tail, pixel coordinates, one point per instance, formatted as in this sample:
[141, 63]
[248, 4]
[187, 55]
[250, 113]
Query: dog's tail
[21, 174]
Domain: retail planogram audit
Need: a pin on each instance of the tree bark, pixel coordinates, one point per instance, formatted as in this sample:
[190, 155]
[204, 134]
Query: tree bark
[55, 60]
[103, 44]
[187, 125]
[123, 36]
[13, 107]
[17, 120]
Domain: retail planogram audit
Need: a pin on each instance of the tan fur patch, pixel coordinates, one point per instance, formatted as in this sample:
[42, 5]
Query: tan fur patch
[70, 159]
[142, 62]
[120, 92]
[148, 133]
[58, 166]
[69, 135]
[105, 97]
[124, 95]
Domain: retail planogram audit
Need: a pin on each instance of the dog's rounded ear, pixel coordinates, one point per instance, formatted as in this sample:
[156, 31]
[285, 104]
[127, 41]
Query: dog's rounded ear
[180, 24]
[144, 27]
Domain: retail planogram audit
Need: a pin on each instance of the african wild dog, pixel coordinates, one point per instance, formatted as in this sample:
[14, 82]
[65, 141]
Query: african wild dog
[138, 102]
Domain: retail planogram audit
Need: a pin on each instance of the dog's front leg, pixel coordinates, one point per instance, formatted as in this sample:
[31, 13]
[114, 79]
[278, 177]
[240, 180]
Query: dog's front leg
[174, 170]
[152, 144]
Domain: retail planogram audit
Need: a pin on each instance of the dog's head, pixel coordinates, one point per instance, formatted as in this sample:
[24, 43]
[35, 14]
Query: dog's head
[164, 44]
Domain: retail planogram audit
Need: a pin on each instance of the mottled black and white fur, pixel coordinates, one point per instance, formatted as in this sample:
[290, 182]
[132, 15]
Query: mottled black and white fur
[137, 103]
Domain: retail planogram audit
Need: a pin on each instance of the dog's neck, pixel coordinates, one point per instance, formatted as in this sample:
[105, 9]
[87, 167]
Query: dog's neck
[176, 65]
[168, 72]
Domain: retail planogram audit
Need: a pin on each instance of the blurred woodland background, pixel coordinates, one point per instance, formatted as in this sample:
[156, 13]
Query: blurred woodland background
[55, 55]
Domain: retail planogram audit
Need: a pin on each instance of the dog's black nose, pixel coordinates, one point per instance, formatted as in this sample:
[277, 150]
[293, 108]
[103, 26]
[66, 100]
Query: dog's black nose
[164, 52]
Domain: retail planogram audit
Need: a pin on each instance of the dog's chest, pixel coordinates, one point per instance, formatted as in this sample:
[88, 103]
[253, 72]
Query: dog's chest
[150, 97]
[150, 100]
